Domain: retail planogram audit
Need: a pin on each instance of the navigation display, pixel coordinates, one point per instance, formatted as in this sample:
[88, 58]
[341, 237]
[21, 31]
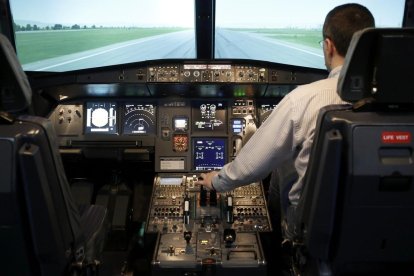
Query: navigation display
[139, 119]
[209, 116]
[101, 117]
[209, 153]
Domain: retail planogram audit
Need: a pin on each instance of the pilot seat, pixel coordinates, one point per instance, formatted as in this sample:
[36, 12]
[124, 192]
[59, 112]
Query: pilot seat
[356, 212]
[42, 230]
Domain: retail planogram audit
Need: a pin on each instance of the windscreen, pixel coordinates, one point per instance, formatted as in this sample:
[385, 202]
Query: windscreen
[75, 34]
[286, 32]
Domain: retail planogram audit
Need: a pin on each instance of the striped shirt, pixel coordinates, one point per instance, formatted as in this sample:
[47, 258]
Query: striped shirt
[286, 135]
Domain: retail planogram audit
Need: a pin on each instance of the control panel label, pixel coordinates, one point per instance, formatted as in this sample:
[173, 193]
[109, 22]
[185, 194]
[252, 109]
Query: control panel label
[396, 137]
[168, 164]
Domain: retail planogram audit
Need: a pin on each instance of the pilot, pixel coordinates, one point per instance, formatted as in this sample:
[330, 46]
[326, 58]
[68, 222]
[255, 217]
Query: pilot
[287, 135]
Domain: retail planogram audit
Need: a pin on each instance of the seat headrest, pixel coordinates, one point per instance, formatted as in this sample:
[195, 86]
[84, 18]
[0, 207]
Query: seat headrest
[15, 91]
[379, 65]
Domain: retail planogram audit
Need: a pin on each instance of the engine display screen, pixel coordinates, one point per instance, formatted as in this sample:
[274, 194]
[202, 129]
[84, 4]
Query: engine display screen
[139, 119]
[101, 117]
[209, 153]
[209, 116]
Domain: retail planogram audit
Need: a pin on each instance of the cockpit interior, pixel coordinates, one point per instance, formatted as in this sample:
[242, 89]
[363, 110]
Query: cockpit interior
[111, 110]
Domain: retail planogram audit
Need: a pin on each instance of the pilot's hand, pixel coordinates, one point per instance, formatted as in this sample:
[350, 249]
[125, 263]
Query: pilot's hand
[205, 179]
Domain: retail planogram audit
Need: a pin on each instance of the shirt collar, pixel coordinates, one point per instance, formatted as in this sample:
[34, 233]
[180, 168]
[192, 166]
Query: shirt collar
[335, 72]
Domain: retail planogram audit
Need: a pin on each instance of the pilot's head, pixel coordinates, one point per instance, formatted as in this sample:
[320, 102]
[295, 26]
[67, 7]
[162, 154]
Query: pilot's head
[339, 26]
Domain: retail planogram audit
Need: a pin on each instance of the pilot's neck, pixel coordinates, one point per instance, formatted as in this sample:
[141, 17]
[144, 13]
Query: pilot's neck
[335, 71]
[336, 61]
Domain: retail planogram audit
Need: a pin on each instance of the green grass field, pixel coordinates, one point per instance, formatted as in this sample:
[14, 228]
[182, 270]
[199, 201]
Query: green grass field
[308, 37]
[39, 45]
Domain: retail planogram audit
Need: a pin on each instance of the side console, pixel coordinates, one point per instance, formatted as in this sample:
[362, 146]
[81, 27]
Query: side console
[200, 230]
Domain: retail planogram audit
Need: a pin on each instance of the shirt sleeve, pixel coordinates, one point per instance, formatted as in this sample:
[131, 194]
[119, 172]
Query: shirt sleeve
[271, 144]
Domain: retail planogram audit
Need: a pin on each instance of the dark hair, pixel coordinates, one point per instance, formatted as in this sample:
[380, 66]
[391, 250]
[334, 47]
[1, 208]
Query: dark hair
[343, 21]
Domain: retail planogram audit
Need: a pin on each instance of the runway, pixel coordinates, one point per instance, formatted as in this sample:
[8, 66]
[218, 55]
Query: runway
[229, 44]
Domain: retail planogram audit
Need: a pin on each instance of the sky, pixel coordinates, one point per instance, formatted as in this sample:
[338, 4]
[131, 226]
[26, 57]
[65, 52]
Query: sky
[299, 13]
[180, 13]
[106, 12]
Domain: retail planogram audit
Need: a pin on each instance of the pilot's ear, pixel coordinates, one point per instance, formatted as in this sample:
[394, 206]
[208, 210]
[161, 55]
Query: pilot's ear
[329, 47]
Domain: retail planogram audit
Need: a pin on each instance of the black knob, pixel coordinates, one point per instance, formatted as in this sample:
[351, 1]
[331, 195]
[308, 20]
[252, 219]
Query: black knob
[229, 236]
[187, 236]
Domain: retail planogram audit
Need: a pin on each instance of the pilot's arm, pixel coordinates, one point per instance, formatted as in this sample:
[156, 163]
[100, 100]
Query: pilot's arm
[266, 149]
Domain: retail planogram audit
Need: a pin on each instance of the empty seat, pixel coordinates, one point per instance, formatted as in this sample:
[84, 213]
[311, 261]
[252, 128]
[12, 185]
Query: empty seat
[42, 230]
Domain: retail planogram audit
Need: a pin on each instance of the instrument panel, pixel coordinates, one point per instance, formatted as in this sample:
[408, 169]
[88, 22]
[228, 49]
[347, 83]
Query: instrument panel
[195, 225]
[178, 205]
[182, 134]
[141, 117]
[206, 72]
[184, 116]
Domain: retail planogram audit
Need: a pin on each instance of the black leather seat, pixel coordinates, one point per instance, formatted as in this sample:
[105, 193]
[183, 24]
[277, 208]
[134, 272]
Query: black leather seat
[42, 230]
[356, 212]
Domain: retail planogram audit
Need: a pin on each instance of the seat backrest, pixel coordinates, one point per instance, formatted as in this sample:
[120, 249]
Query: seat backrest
[15, 92]
[356, 212]
[39, 222]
